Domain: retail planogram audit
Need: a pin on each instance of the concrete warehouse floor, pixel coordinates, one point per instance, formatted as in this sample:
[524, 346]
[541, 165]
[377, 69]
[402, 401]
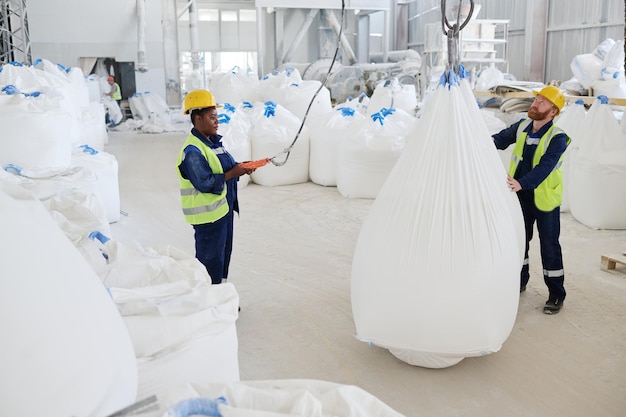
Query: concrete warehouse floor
[291, 266]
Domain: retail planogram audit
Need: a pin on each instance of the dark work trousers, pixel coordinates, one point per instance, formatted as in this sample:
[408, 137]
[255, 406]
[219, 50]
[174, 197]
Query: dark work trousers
[549, 229]
[214, 245]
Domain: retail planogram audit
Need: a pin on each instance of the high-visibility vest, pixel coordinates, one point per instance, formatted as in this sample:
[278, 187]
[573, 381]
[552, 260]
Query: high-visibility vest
[548, 194]
[199, 207]
[116, 92]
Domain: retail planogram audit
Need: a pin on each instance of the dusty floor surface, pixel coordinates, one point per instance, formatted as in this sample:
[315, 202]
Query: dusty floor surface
[291, 266]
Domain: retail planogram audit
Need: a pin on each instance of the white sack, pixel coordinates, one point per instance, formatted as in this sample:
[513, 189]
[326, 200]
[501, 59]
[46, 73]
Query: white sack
[235, 86]
[104, 168]
[435, 274]
[93, 131]
[35, 135]
[65, 349]
[369, 153]
[235, 130]
[598, 171]
[571, 120]
[280, 398]
[297, 98]
[330, 130]
[393, 94]
[273, 130]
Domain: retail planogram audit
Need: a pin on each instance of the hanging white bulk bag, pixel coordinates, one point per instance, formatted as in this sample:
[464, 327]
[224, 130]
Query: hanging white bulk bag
[326, 137]
[571, 122]
[104, 167]
[65, 350]
[435, 274]
[35, 135]
[367, 156]
[298, 96]
[393, 94]
[235, 128]
[598, 170]
[273, 130]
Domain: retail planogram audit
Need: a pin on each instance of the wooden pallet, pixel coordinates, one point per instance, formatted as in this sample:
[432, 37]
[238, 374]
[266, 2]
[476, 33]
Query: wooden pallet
[608, 262]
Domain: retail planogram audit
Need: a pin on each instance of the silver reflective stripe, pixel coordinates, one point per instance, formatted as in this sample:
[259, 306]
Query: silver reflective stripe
[532, 141]
[558, 165]
[515, 158]
[556, 273]
[219, 150]
[525, 261]
[189, 191]
[204, 209]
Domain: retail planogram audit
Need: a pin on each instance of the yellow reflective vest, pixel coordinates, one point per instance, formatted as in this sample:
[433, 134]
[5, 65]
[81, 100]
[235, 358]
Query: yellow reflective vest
[549, 194]
[199, 207]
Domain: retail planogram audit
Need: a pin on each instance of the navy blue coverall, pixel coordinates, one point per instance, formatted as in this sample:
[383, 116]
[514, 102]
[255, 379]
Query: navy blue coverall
[548, 223]
[214, 241]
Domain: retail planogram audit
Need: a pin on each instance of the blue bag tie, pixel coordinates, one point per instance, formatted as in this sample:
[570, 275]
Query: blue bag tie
[197, 407]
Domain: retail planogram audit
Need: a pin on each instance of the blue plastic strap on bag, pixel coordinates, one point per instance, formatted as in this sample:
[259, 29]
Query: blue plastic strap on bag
[37, 62]
[234, 70]
[16, 64]
[270, 103]
[346, 111]
[88, 149]
[463, 72]
[603, 99]
[223, 118]
[197, 407]
[387, 111]
[33, 94]
[99, 236]
[294, 85]
[378, 117]
[448, 78]
[247, 105]
[269, 111]
[10, 90]
[229, 108]
[289, 71]
[14, 168]
[580, 101]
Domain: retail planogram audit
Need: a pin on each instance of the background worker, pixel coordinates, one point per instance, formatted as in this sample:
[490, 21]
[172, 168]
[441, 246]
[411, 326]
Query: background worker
[115, 92]
[536, 176]
[208, 177]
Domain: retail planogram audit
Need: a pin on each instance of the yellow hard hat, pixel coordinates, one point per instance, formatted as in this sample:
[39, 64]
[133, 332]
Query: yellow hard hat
[553, 94]
[198, 99]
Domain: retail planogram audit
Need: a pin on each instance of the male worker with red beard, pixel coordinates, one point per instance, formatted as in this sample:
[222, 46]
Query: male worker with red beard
[536, 176]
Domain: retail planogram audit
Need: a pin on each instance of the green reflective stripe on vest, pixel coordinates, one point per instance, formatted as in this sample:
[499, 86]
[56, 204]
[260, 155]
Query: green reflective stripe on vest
[199, 207]
[548, 194]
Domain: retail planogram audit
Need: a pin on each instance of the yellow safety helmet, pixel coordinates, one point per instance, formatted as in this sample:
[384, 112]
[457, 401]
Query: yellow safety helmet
[553, 94]
[198, 99]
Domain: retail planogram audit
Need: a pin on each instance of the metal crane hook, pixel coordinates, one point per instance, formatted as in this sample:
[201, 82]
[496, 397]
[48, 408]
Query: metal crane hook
[452, 33]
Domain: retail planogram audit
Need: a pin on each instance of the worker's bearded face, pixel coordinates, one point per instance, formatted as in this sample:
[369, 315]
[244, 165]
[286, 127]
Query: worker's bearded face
[537, 114]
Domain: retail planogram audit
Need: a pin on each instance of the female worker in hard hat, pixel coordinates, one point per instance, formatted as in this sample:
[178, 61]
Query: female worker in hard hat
[536, 176]
[208, 177]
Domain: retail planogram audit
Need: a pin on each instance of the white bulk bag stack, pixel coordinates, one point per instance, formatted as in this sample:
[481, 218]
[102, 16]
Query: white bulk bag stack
[44, 147]
[273, 130]
[393, 94]
[435, 274]
[65, 350]
[367, 156]
[330, 130]
[235, 128]
[571, 120]
[598, 171]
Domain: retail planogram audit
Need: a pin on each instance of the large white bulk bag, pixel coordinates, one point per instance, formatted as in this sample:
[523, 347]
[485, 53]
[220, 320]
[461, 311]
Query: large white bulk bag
[272, 86]
[571, 120]
[235, 130]
[330, 130]
[35, 134]
[274, 398]
[298, 96]
[137, 106]
[393, 94]
[104, 167]
[235, 86]
[598, 171]
[93, 131]
[65, 350]
[367, 156]
[435, 274]
[274, 129]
